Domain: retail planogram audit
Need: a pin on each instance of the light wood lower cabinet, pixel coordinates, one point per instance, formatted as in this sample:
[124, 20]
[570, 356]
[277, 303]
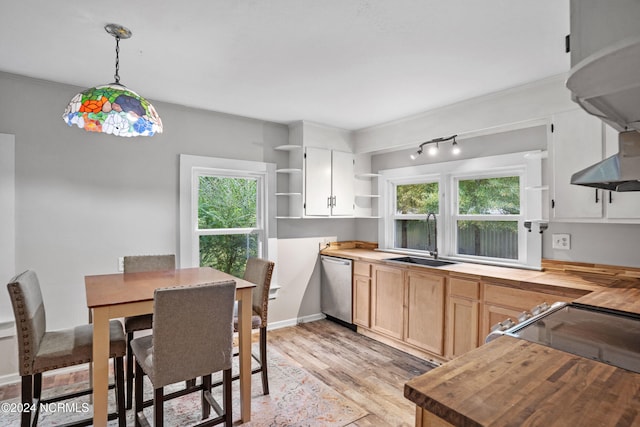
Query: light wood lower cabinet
[424, 300]
[463, 316]
[408, 306]
[362, 294]
[387, 301]
[431, 314]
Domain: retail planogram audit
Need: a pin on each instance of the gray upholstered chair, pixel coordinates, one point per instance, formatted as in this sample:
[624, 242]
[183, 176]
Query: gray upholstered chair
[138, 264]
[192, 337]
[40, 350]
[259, 271]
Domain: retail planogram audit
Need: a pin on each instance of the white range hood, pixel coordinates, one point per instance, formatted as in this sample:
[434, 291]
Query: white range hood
[607, 84]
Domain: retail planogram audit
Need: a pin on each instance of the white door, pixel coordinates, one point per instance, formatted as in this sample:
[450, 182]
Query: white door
[577, 144]
[317, 192]
[343, 184]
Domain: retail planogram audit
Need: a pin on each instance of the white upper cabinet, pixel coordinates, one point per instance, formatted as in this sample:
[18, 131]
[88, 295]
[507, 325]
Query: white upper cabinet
[342, 183]
[329, 182]
[579, 140]
[319, 180]
[576, 144]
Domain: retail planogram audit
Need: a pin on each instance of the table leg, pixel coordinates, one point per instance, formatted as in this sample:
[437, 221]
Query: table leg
[244, 338]
[100, 366]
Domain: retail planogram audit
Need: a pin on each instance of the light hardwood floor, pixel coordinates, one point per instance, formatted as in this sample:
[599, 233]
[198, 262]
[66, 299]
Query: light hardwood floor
[365, 371]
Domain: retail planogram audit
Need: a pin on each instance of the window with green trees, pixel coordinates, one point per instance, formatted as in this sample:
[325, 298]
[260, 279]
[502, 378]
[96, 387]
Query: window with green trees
[230, 227]
[413, 203]
[487, 217]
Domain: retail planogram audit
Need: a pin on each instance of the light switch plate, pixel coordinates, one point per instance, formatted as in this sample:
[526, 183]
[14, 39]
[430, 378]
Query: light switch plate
[561, 241]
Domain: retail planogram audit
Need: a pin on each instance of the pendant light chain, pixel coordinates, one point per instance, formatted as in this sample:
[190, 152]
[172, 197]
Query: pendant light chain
[117, 76]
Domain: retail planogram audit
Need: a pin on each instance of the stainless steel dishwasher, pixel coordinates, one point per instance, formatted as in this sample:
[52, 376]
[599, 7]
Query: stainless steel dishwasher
[335, 290]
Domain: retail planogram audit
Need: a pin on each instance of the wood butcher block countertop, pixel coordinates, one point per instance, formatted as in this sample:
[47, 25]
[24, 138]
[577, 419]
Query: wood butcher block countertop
[513, 382]
[558, 282]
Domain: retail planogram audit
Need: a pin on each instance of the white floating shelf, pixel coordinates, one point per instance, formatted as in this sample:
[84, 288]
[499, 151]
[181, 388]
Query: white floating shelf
[288, 217]
[367, 217]
[537, 188]
[288, 194]
[367, 175]
[288, 147]
[289, 170]
[370, 196]
[539, 155]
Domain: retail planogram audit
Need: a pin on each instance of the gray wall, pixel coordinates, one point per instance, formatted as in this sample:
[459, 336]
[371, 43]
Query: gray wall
[85, 199]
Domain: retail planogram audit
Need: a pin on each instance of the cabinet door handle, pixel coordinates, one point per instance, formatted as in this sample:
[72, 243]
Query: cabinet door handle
[597, 198]
[329, 201]
[610, 197]
[334, 202]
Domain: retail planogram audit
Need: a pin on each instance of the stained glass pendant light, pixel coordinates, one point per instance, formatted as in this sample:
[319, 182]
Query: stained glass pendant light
[113, 108]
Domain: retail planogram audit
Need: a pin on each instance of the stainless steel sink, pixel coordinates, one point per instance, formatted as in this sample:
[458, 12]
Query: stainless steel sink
[421, 261]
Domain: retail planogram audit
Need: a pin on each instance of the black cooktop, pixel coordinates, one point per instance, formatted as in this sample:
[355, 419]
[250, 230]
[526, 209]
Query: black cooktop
[605, 335]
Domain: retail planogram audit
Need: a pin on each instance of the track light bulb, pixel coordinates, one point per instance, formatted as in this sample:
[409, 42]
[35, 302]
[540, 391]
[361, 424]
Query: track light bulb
[455, 149]
[417, 154]
[433, 150]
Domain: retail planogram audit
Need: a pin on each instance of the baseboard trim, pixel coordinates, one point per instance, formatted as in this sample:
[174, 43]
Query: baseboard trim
[293, 322]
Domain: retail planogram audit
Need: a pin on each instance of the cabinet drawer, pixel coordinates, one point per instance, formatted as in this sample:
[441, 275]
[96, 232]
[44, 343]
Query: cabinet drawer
[517, 298]
[362, 269]
[464, 288]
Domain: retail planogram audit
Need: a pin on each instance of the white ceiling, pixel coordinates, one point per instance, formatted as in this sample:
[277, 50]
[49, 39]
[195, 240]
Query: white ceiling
[345, 63]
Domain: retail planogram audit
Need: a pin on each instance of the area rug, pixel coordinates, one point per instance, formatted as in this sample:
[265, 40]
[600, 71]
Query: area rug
[296, 398]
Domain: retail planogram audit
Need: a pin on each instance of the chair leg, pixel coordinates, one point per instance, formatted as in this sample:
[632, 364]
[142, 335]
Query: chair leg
[263, 360]
[226, 398]
[158, 406]
[37, 386]
[27, 399]
[206, 387]
[129, 370]
[139, 393]
[118, 370]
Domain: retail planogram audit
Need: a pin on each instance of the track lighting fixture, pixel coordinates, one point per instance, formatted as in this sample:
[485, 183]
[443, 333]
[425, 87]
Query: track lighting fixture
[455, 149]
[434, 148]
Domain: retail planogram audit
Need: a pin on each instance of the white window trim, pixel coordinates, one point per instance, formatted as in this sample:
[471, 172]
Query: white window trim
[451, 246]
[191, 167]
[529, 246]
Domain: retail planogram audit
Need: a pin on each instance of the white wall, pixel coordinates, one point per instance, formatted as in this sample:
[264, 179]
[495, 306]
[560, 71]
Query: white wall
[7, 220]
[298, 274]
[519, 107]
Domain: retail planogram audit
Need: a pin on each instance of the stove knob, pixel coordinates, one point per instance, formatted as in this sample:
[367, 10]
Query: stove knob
[544, 307]
[523, 316]
[497, 327]
[536, 310]
[508, 324]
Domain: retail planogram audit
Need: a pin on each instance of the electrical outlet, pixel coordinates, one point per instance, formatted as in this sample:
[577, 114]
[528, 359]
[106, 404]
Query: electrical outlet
[120, 263]
[561, 241]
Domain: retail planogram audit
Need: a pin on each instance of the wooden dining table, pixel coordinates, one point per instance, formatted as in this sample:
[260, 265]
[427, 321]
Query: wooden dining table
[112, 296]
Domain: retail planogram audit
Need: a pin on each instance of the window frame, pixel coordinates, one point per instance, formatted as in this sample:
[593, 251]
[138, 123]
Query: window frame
[394, 216]
[455, 216]
[191, 168]
[527, 165]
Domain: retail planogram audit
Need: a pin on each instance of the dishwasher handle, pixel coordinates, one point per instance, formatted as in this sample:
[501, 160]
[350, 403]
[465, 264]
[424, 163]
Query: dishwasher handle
[336, 260]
